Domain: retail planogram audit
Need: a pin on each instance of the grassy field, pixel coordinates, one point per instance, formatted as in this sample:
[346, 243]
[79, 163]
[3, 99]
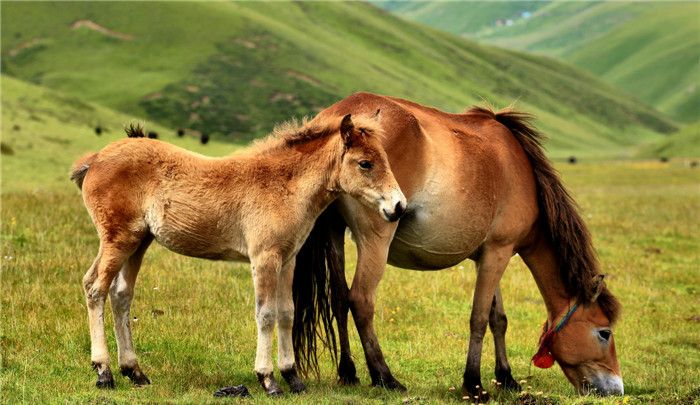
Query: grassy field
[604, 38]
[254, 64]
[194, 327]
[643, 216]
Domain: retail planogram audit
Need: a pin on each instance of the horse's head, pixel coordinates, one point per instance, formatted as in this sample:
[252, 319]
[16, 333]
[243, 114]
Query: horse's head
[582, 342]
[365, 173]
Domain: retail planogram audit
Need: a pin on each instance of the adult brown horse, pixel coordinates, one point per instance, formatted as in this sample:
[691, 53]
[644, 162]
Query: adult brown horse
[479, 187]
[256, 206]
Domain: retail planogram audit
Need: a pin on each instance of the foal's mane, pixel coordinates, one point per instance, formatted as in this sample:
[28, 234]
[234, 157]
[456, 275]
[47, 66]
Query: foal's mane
[296, 132]
[568, 233]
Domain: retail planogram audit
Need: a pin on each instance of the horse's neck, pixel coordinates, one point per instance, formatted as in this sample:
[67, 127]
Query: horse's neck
[544, 267]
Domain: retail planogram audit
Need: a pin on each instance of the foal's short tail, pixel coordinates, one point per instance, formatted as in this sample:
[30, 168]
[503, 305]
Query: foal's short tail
[568, 233]
[80, 169]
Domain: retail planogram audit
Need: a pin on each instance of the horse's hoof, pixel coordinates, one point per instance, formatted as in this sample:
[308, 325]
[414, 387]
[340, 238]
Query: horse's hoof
[293, 380]
[506, 381]
[269, 384]
[348, 380]
[390, 384]
[135, 375]
[105, 380]
[475, 393]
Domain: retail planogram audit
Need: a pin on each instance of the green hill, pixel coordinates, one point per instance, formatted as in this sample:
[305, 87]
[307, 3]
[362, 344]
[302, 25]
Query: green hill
[253, 64]
[649, 49]
[44, 132]
[684, 143]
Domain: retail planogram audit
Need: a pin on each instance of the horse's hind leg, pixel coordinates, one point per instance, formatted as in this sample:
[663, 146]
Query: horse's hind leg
[490, 267]
[121, 294]
[498, 322]
[96, 283]
[340, 305]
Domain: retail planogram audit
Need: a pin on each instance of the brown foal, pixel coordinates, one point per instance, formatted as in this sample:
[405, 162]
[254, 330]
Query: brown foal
[256, 206]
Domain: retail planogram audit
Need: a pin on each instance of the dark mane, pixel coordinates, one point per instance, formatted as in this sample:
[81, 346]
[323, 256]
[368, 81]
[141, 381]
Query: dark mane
[568, 233]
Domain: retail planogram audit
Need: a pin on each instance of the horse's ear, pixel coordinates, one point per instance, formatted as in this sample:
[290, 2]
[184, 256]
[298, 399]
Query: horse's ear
[599, 285]
[378, 115]
[347, 130]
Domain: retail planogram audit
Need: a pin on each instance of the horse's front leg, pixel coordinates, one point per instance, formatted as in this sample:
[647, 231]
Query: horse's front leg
[266, 268]
[498, 323]
[490, 267]
[372, 252]
[285, 322]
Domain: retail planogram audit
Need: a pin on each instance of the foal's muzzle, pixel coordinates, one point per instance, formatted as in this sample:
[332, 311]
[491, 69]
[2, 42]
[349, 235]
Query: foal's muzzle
[394, 207]
[399, 210]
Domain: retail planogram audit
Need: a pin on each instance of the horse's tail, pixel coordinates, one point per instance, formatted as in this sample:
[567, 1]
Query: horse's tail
[568, 233]
[80, 169]
[317, 264]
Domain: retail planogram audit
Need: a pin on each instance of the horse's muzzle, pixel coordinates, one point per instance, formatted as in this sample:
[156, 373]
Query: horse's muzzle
[399, 210]
[606, 384]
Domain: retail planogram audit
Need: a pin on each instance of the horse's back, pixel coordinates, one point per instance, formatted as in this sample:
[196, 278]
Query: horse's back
[468, 180]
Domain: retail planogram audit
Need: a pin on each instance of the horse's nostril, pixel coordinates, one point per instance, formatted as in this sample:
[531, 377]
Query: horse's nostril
[399, 209]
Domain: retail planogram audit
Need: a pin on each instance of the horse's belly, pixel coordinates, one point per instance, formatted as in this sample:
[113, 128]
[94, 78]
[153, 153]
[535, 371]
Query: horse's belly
[194, 235]
[433, 239]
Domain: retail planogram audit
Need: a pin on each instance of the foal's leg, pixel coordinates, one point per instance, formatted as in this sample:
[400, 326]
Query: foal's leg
[490, 267]
[96, 284]
[265, 274]
[120, 295]
[498, 322]
[285, 322]
[340, 305]
[373, 250]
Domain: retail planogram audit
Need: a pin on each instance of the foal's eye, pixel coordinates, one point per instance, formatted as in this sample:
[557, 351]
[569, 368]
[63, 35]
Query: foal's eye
[604, 335]
[365, 164]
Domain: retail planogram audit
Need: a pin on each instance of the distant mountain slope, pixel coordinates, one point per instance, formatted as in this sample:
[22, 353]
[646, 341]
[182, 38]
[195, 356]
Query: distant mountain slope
[253, 64]
[44, 131]
[684, 143]
[650, 49]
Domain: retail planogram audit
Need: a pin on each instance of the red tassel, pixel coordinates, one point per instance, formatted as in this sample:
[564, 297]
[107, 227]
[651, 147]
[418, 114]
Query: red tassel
[544, 358]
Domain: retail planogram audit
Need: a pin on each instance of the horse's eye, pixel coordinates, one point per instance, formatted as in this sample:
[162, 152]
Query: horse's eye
[365, 164]
[604, 335]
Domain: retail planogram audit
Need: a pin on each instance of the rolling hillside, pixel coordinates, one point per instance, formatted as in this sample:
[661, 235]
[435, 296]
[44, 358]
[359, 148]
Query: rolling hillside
[649, 49]
[44, 132]
[254, 64]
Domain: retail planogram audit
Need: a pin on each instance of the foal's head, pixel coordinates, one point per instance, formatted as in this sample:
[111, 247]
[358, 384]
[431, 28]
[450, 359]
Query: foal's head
[585, 348]
[365, 173]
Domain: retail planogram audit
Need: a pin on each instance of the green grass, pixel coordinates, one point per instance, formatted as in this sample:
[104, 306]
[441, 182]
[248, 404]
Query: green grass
[649, 49]
[254, 64]
[643, 217]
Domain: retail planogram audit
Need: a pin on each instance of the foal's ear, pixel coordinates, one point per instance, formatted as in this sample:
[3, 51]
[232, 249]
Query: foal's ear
[347, 131]
[378, 115]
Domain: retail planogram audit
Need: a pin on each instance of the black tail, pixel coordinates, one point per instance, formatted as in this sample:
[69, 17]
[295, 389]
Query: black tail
[568, 233]
[316, 263]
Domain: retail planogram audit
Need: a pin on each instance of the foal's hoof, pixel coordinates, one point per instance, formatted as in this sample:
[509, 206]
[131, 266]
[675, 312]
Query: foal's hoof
[505, 381]
[105, 380]
[135, 375]
[475, 393]
[269, 384]
[292, 378]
